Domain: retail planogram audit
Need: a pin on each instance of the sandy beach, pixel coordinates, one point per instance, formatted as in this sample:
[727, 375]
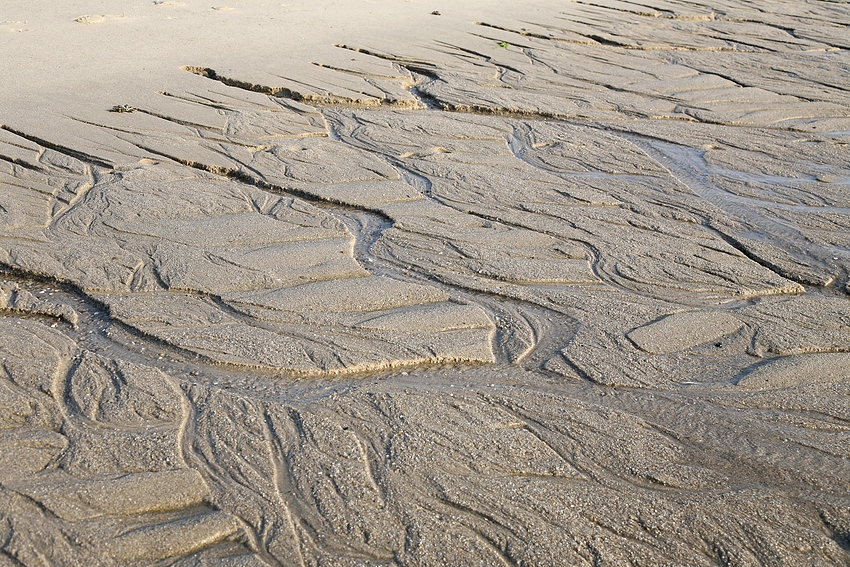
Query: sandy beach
[407, 283]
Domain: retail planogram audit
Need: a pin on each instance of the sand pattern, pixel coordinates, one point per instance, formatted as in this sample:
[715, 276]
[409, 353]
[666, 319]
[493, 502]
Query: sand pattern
[567, 286]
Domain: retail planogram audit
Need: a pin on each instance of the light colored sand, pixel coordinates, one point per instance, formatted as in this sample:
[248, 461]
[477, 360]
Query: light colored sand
[361, 283]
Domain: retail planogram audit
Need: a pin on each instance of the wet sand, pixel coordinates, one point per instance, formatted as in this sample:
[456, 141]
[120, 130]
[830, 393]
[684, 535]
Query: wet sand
[396, 283]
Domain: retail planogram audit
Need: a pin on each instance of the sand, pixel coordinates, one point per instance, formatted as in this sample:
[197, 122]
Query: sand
[405, 283]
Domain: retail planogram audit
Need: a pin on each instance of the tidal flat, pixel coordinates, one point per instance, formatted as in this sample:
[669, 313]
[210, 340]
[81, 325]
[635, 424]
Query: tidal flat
[410, 283]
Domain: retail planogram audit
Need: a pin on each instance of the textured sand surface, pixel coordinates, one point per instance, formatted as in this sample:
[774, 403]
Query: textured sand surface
[406, 283]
